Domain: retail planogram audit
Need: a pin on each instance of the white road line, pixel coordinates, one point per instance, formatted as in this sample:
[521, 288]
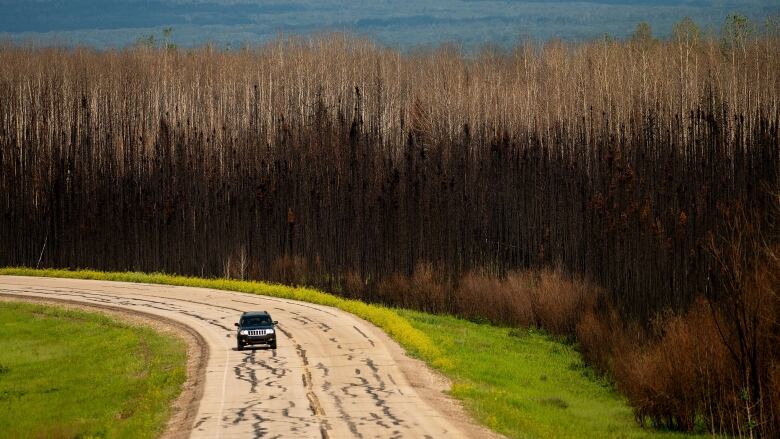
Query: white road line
[224, 391]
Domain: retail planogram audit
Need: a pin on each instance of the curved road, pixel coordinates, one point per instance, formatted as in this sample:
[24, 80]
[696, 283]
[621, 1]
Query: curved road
[333, 375]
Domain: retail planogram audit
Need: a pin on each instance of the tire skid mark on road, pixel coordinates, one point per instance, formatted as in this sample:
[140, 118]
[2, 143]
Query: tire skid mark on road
[304, 320]
[98, 298]
[276, 390]
[362, 384]
[375, 392]
[324, 369]
[364, 335]
[287, 302]
[136, 302]
[245, 372]
[134, 297]
[381, 388]
[314, 401]
[200, 422]
[397, 388]
[327, 387]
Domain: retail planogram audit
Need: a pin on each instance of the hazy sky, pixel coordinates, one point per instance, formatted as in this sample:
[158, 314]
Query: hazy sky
[471, 23]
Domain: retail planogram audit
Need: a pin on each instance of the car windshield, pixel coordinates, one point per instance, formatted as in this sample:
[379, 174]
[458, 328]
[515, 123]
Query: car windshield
[256, 321]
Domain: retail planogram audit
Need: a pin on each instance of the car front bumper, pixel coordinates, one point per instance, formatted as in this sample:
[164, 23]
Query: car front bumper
[257, 339]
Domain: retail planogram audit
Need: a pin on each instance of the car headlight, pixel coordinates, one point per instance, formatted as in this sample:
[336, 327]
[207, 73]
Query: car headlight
[243, 332]
[269, 331]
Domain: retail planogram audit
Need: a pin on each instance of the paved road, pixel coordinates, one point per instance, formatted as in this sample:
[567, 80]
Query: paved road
[333, 375]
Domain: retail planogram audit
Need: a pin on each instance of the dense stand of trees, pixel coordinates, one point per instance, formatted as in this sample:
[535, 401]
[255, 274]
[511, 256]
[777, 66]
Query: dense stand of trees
[620, 161]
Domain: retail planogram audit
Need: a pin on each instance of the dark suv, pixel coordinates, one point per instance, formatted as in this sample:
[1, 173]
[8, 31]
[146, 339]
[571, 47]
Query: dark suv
[256, 327]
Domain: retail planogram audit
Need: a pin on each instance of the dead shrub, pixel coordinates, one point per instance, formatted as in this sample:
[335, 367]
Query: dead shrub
[352, 285]
[600, 334]
[678, 376]
[716, 364]
[559, 301]
[423, 290]
[548, 299]
[428, 292]
[255, 270]
[476, 297]
[393, 290]
[746, 311]
[481, 295]
[516, 295]
[289, 270]
[707, 365]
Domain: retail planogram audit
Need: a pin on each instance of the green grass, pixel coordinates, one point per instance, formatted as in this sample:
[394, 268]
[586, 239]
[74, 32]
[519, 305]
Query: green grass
[525, 384]
[66, 373]
[521, 383]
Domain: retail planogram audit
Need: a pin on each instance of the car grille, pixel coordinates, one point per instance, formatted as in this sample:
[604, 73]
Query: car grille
[257, 332]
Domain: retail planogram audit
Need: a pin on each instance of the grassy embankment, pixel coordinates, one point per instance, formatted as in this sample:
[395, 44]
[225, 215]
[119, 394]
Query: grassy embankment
[67, 373]
[521, 383]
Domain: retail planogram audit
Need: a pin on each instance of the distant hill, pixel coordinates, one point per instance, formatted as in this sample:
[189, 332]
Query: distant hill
[404, 23]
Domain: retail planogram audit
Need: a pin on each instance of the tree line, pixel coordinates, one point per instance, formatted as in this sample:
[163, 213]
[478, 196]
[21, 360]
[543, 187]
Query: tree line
[345, 163]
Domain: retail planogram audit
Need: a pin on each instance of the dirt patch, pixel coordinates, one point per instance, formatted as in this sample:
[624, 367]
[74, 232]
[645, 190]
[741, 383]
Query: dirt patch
[185, 407]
